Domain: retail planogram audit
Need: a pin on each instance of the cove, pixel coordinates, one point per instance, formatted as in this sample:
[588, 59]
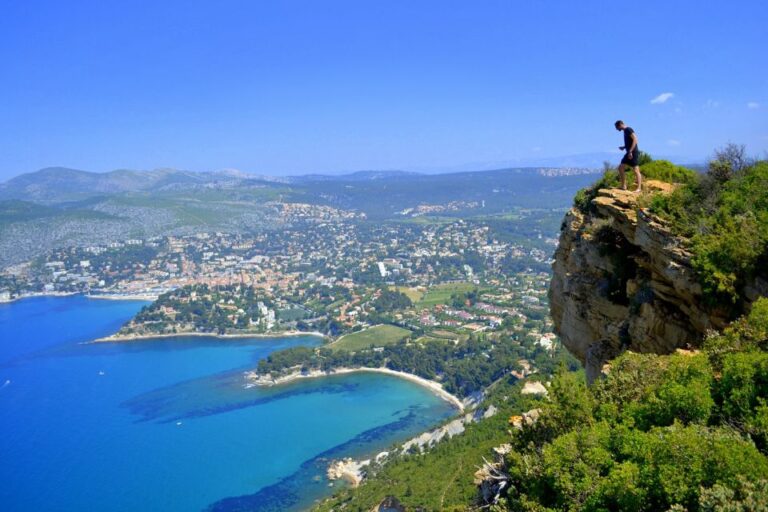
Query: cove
[166, 424]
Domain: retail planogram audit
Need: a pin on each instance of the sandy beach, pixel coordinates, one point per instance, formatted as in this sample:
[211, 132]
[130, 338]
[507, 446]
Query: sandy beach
[435, 387]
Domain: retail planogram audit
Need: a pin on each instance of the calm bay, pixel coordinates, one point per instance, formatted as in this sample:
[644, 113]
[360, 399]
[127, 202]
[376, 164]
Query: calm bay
[167, 424]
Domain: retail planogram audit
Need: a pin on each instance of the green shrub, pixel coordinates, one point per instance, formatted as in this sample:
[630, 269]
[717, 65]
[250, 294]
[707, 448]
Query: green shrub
[725, 256]
[646, 390]
[621, 489]
[745, 497]
[664, 170]
[745, 334]
[575, 464]
[757, 320]
[678, 461]
[644, 158]
[679, 208]
[612, 467]
[727, 227]
[743, 392]
[570, 404]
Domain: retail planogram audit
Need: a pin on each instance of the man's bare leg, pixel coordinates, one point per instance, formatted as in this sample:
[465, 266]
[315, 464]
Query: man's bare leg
[622, 177]
[638, 179]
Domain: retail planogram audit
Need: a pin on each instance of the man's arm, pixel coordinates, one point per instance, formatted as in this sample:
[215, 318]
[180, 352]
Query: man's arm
[631, 148]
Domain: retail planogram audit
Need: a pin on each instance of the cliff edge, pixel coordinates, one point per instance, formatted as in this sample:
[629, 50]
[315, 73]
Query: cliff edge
[622, 281]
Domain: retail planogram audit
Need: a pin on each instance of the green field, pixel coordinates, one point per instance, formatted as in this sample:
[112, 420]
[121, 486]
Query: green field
[501, 216]
[441, 293]
[447, 335]
[427, 339]
[378, 336]
[426, 220]
[412, 293]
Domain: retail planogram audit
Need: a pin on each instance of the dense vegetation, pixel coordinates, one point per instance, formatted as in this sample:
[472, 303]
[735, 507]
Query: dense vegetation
[462, 368]
[687, 431]
[724, 214]
[200, 308]
[391, 300]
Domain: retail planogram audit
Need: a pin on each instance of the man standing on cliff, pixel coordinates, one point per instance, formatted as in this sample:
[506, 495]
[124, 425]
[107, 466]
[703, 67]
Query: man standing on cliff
[632, 156]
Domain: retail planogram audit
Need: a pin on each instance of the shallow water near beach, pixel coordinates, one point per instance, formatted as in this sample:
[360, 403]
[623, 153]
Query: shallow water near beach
[167, 425]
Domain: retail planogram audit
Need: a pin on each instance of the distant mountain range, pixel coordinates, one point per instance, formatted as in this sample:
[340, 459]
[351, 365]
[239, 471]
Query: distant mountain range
[60, 207]
[60, 184]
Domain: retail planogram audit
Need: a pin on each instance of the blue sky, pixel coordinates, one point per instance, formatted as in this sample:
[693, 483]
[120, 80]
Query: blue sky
[326, 86]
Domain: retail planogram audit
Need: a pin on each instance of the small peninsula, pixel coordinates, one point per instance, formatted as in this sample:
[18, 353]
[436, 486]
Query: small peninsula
[212, 311]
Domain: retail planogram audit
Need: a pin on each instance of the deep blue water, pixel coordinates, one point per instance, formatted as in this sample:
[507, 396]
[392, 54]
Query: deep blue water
[167, 424]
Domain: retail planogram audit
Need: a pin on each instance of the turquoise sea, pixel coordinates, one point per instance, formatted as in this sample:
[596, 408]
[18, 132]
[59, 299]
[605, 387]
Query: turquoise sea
[167, 425]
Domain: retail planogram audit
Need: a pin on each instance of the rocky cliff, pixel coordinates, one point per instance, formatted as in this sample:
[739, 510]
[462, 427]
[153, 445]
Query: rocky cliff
[623, 281]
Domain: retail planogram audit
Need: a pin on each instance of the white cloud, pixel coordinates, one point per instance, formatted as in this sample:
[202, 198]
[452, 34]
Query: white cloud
[673, 142]
[678, 110]
[753, 105]
[536, 149]
[711, 104]
[662, 98]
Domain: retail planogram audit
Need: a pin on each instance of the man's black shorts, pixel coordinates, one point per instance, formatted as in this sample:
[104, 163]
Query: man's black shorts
[633, 161]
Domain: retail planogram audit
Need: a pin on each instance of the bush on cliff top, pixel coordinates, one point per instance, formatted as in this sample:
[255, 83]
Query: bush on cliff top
[726, 221]
[663, 170]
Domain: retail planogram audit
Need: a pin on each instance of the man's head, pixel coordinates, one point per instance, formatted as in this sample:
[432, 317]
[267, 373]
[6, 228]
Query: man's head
[619, 125]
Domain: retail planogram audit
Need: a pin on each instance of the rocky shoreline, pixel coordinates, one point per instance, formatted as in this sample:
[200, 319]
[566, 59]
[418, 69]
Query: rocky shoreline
[353, 471]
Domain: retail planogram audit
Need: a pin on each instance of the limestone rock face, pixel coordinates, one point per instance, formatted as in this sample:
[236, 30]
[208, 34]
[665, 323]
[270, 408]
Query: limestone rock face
[622, 281]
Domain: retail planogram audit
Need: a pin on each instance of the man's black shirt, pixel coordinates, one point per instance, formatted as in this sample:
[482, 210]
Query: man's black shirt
[628, 139]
